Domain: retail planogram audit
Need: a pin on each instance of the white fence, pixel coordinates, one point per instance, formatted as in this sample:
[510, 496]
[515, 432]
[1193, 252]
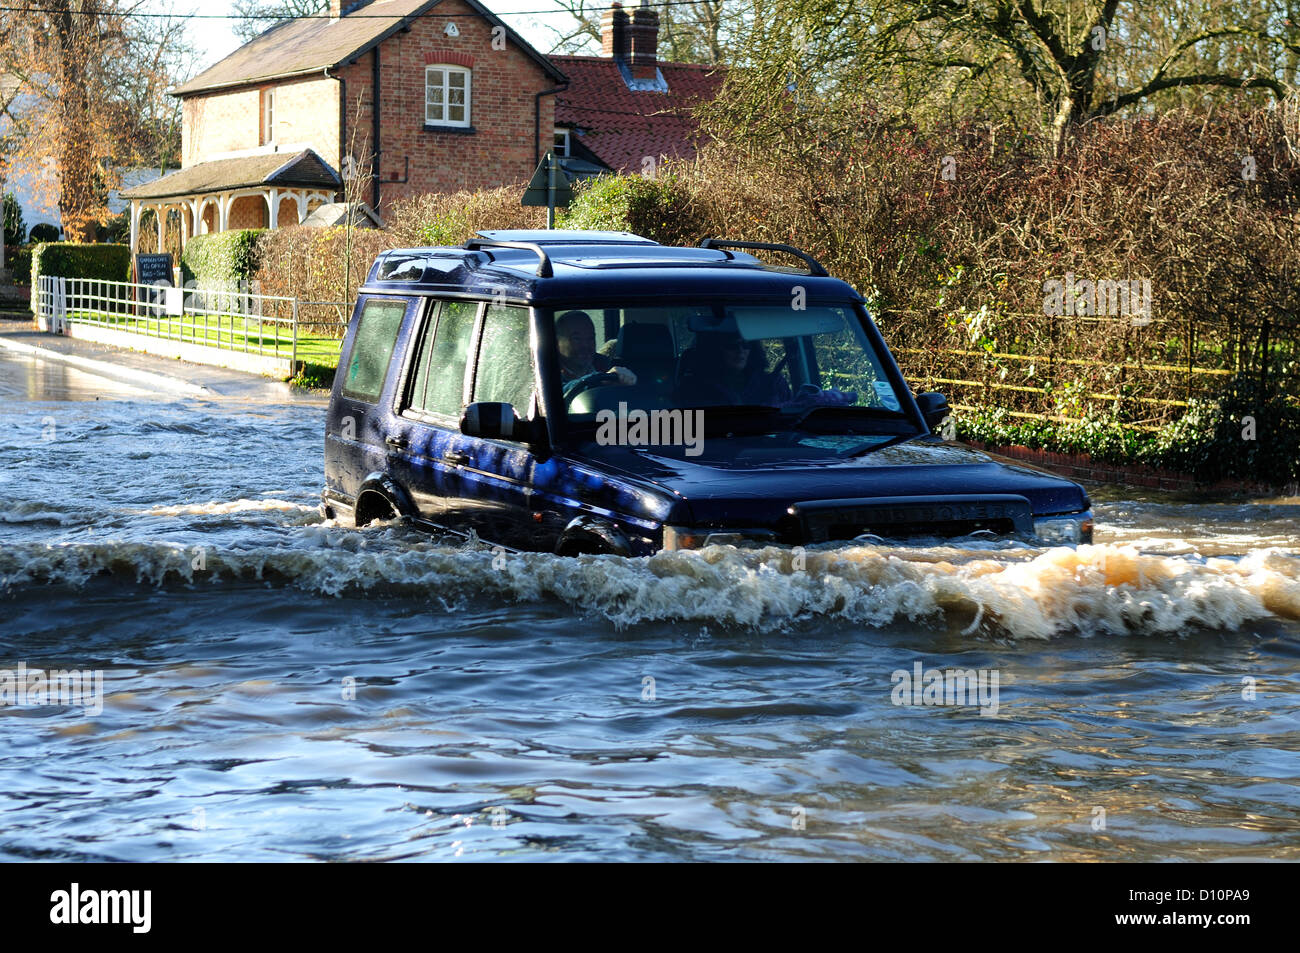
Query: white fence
[268, 326]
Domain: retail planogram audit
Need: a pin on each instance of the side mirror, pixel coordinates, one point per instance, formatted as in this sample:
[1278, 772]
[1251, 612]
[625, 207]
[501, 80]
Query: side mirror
[494, 421]
[934, 408]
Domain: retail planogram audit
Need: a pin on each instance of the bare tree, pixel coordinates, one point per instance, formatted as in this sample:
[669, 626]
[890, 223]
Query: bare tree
[699, 31]
[1055, 62]
[88, 98]
[257, 16]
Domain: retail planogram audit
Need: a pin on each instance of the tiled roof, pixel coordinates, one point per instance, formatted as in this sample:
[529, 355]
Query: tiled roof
[622, 126]
[306, 170]
[309, 45]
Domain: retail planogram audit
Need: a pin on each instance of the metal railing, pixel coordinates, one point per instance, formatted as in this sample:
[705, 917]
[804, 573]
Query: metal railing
[232, 319]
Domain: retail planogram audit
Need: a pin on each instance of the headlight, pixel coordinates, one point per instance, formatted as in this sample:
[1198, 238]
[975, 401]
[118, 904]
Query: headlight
[1075, 528]
[685, 537]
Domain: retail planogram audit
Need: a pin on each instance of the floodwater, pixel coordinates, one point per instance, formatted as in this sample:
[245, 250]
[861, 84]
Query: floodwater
[275, 687]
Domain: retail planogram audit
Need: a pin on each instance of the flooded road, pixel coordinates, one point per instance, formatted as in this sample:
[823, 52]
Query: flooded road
[275, 687]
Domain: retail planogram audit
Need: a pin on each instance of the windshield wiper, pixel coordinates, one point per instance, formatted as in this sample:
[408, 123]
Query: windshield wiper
[751, 418]
[833, 419]
[873, 447]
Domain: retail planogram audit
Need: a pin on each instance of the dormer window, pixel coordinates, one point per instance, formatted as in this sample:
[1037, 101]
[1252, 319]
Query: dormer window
[268, 116]
[446, 95]
[561, 141]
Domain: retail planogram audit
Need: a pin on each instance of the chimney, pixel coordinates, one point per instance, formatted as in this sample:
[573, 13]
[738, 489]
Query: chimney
[613, 32]
[643, 41]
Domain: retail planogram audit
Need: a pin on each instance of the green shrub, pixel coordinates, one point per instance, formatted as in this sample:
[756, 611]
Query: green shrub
[19, 263]
[71, 260]
[1239, 434]
[43, 232]
[221, 260]
[659, 209]
[15, 230]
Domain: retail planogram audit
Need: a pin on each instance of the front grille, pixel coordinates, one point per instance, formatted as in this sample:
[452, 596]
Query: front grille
[820, 521]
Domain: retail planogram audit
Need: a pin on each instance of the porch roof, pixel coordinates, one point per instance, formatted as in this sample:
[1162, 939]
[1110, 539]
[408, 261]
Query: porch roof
[306, 170]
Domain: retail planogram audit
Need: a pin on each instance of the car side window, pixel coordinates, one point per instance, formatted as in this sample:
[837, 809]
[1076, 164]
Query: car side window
[505, 359]
[372, 348]
[439, 383]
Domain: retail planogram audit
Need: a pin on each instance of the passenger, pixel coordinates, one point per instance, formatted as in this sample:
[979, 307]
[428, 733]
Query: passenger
[729, 370]
[575, 338]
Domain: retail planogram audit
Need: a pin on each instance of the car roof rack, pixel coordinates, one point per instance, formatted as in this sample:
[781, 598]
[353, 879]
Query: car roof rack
[721, 244]
[544, 269]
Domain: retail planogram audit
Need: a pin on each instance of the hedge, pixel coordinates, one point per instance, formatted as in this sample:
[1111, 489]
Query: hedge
[18, 259]
[72, 260]
[220, 260]
[659, 209]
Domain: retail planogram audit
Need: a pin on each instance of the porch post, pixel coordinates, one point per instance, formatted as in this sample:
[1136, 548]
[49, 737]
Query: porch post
[160, 213]
[273, 209]
[135, 229]
[223, 212]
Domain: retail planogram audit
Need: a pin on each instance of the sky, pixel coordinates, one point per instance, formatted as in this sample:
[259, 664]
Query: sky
[215, 38]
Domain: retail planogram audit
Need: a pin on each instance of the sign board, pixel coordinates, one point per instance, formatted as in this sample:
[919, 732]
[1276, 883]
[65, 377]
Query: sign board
[153, 269]
[549, 187]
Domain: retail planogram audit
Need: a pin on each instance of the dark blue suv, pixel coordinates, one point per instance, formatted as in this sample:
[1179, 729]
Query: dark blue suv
[596, 392]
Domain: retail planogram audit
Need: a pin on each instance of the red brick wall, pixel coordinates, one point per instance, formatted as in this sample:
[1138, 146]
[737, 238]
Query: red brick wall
[248, 211]
[306, 115]
[500, 151]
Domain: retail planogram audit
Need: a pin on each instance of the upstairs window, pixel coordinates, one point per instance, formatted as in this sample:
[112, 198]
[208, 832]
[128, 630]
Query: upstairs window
[561, 141]
[446, 96]
[268, 116]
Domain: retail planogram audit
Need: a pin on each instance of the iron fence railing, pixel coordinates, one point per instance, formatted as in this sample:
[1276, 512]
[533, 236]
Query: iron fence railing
[230, 319]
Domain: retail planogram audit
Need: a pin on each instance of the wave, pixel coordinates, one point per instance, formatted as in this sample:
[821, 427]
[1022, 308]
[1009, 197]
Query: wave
[32, 512]
[235, 506]
[1088, 590]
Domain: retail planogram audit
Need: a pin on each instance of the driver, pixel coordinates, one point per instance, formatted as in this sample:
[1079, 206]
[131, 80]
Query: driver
[575, 337]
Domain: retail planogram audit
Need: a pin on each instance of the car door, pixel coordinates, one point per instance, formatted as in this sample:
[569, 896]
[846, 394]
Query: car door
[359, 417]
[428, 406]
[490, 481]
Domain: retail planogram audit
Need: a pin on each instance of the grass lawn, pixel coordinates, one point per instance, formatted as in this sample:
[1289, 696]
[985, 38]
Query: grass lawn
[234, 333]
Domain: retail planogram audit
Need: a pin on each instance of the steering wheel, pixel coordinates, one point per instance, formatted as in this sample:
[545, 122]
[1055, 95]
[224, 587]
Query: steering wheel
[577, 386]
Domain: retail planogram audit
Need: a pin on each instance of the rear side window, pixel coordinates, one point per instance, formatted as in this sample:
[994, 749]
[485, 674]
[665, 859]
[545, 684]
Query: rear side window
[439, 384]
[372, 348]
[505, 359]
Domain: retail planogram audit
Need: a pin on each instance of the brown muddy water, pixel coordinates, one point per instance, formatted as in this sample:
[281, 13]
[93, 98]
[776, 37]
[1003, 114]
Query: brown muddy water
[275, 687]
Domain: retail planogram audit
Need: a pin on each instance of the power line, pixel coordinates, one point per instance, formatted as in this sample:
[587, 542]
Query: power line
[310, 16]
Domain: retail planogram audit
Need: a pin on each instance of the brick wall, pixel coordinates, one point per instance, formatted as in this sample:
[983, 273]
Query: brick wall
[306, 112]
[500, 151]
[248, 211]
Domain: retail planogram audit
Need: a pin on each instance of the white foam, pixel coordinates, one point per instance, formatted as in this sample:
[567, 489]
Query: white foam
[1104, 589]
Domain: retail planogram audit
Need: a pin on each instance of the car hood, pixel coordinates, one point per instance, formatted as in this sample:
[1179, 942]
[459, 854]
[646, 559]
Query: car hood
[743, 480]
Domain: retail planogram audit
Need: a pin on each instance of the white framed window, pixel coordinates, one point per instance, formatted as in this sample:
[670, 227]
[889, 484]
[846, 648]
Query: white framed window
[561, 141]
[446, 95]
[268, 116]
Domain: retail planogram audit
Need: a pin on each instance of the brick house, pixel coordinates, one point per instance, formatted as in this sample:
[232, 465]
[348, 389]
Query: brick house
[276, 128]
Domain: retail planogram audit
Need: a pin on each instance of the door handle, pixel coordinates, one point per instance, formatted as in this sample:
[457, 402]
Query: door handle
[397, 442]
[455, 456]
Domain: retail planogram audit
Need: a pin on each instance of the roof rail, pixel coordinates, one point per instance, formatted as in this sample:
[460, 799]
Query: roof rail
[814, 266]
[544, 269]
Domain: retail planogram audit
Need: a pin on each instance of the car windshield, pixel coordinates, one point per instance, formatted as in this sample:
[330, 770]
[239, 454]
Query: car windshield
[760, 368]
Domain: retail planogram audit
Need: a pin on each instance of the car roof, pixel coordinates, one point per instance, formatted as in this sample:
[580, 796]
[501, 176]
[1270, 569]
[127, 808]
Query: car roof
[557, 266]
